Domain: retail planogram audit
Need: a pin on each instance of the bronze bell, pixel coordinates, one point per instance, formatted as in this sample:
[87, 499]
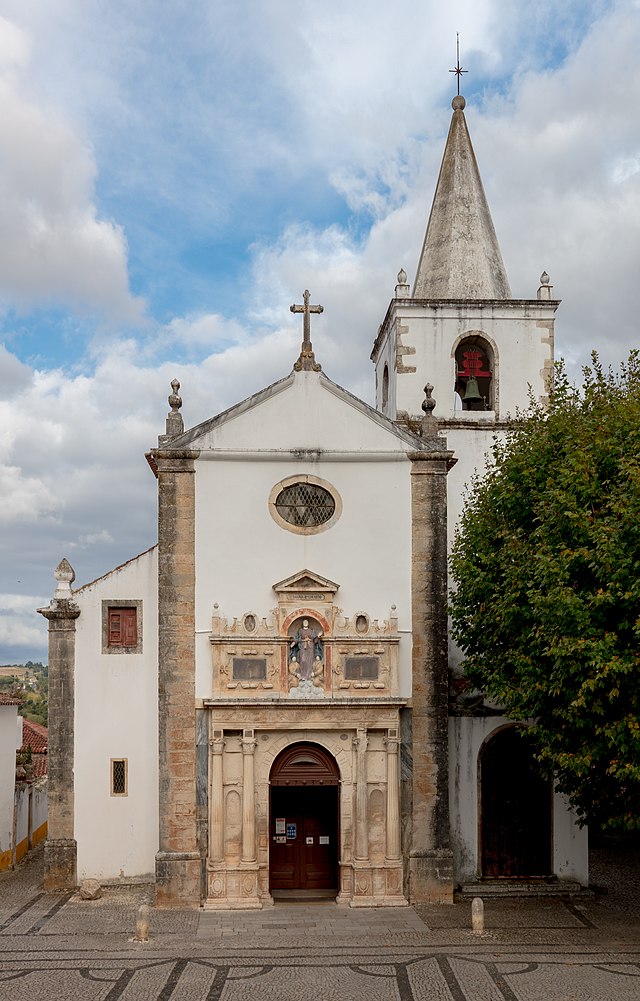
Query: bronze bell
[471, 391]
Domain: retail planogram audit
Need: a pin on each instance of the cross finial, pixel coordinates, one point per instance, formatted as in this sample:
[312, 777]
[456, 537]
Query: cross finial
[458, 70]
[306, 362]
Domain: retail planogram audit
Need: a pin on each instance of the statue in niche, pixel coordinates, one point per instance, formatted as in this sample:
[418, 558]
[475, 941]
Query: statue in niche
[306, 651]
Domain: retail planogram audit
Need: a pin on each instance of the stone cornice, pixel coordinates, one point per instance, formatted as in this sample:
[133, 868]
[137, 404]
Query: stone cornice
[60, 609]
[470, 306]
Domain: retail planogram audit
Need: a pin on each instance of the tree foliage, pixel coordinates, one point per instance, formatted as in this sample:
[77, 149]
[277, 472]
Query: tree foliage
[547, 601]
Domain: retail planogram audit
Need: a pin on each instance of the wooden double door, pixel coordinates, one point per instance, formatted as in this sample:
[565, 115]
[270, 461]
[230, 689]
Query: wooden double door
[304, 819]
[303, 838]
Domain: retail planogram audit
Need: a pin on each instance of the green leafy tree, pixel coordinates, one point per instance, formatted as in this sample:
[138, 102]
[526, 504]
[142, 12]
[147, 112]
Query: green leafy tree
[547, 602]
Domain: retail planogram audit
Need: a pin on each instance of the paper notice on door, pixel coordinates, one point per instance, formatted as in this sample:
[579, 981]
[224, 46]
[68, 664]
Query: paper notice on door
[323, 839]
[280, 839]
[281, 825]
[309, 841]
[292, 830]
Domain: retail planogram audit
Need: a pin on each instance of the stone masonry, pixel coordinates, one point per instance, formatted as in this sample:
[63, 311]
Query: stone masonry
[178, 862]
[430, 857]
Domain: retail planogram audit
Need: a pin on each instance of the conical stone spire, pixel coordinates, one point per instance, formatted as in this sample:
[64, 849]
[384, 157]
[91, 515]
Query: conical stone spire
[460, 257]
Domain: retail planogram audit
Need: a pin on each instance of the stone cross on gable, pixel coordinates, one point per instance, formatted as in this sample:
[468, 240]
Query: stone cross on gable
[306, 361]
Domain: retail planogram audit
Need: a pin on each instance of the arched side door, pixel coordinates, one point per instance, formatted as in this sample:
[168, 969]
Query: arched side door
[515, 820]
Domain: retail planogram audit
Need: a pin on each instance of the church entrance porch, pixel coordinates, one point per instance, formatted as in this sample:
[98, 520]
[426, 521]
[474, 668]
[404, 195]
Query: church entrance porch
[304, 798]
[303, 830]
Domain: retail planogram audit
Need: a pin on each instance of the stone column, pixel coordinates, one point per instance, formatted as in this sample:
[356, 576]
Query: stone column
[431, 859]
[362, 798]
[178, 858]
[393, 799]
[248, 798]
[60, 850]
[216, 801]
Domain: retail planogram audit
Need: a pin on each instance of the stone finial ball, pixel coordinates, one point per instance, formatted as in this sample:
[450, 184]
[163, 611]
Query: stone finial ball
[458, 103]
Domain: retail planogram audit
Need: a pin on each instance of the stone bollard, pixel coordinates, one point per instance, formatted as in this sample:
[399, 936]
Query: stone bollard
[142, 924]
[477, 916]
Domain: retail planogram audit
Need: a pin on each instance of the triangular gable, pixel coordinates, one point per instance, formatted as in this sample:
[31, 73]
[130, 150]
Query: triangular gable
[305, 581]
[290, 417]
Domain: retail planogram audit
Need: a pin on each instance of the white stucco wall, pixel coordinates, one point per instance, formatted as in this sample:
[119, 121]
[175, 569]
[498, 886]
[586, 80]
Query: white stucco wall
[242, 552]
[116, 716]
[466, 737]
[8, 746]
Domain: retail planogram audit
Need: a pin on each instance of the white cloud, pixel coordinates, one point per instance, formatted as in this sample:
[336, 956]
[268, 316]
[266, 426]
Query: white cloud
[348, 93]
[54, 248]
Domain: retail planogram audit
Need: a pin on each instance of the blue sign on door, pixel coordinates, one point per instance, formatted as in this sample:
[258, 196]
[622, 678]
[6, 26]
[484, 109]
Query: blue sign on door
[292, 830]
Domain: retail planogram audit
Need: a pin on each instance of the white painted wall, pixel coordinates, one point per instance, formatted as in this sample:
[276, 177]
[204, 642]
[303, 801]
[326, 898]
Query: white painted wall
[242, 552]
[39, 811]
[116, 716]
[21, 807]
[466, 737]
[8, 740]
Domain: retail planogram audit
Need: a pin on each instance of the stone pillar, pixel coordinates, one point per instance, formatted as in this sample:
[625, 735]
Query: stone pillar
[393, 798]
[362, 798]
[248, 798]
[430, 858]
[60, 850]
[178, 858]
[216, 801]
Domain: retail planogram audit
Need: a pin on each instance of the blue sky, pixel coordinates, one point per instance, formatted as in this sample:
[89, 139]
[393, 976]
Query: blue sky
[173, 175]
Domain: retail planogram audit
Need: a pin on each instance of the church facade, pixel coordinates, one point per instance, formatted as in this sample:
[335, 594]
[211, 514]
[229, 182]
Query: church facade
[265, 704]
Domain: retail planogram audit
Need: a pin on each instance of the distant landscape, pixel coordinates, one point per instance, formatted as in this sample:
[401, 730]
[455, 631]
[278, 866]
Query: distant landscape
[29, 683]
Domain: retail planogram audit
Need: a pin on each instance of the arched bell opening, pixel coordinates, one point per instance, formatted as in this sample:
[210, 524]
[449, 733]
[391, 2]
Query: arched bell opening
[475, 374]
[304, 828]
[385, 389]
[515, 810]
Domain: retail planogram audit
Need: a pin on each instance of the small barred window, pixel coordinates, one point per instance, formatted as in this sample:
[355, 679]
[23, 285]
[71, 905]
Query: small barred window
[305, 505]
[119, 777]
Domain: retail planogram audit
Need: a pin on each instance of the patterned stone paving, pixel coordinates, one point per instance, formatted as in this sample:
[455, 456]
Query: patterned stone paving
[54, 946]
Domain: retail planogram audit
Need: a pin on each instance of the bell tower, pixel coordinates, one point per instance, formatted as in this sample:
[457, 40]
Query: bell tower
[459, 327]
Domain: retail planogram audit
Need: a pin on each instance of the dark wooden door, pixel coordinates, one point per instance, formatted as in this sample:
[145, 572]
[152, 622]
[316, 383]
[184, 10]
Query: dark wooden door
[305, 857]
[516, 802]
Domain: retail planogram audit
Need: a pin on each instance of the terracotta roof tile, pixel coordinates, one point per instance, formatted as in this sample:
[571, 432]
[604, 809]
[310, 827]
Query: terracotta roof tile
[35, 736]
[8, 700]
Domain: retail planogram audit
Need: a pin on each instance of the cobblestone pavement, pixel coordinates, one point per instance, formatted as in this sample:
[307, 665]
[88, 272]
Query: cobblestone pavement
[54, 946]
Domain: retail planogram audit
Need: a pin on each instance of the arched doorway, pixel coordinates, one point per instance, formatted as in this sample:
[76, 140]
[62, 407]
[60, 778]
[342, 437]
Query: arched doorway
[304, 822]
[515, 821]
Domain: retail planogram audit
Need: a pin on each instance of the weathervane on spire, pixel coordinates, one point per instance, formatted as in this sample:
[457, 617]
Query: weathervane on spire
[458, 68]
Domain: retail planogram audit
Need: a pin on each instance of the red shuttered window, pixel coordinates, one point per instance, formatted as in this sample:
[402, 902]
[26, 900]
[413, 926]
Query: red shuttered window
[123, 627]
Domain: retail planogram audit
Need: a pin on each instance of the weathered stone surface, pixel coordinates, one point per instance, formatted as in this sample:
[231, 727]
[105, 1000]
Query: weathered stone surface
[178, 863]
[60, 863]
[90, 889]
[430, 864]
[60, 849]
[460, 257]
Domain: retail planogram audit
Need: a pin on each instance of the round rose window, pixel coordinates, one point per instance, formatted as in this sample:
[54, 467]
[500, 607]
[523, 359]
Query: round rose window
[305, 504]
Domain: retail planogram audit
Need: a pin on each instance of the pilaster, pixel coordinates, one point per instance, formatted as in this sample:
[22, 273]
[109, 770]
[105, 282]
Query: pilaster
[431, 860]
[178, 860]
[60, 851]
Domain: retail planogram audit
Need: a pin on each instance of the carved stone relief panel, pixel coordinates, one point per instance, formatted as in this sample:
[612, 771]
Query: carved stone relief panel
[305, 648]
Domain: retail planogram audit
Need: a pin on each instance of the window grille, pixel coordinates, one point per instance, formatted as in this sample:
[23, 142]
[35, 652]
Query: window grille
[119, 777]
[305, 505]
